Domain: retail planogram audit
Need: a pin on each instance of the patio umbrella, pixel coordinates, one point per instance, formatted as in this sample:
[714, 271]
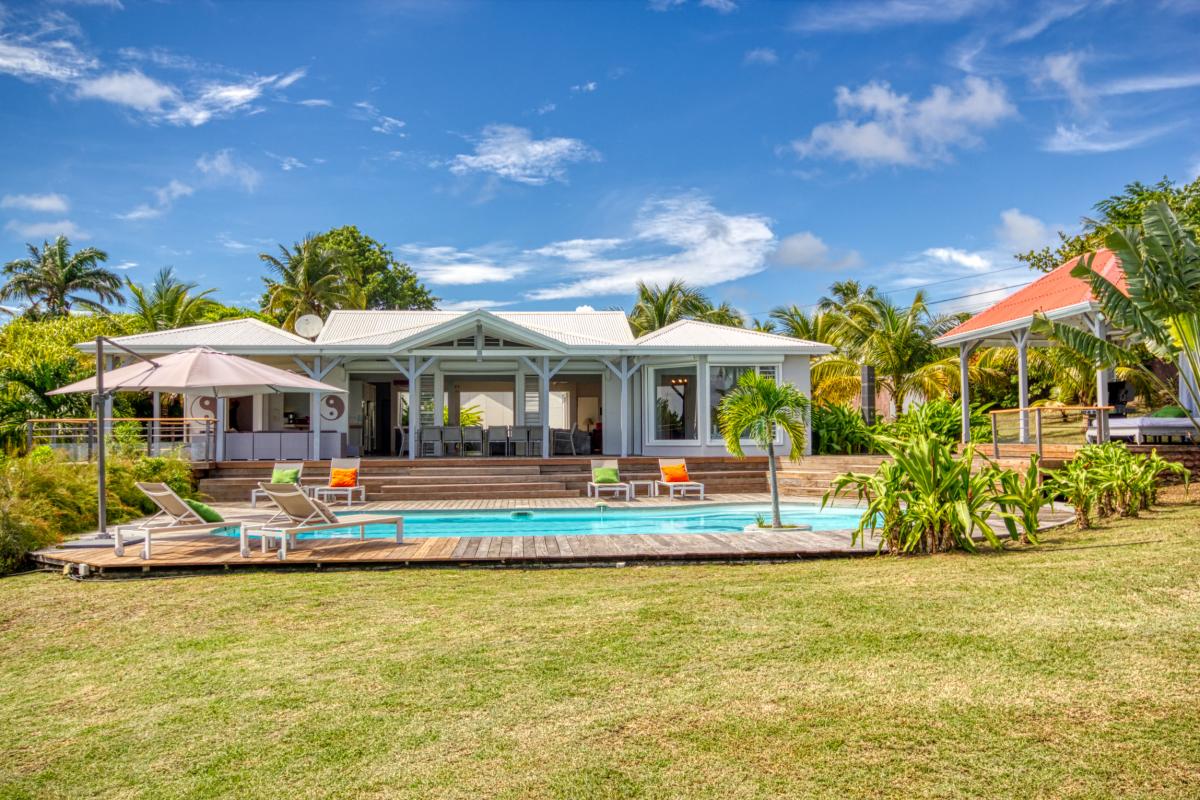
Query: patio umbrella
[200, 370]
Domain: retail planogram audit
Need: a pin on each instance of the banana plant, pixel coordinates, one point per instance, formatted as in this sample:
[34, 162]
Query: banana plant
[1161, 310]
[1020, 500]
[1076, 484]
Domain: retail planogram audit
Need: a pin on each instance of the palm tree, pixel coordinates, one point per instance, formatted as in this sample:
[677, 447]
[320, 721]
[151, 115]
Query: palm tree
[54, 280]
[758, 408]
[659, 306]
[898, 343]
[308, 282]
[724, 314]
[169, 303]
[835, 379]
[1161, 312]
[843, 294]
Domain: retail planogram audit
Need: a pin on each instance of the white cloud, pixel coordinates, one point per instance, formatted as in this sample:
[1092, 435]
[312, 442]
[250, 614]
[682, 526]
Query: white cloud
[1150, 83]
[51, 203]
[1047, 15]
[512, 153]
[230, 243]
[1063, 70]
[1098, 138]
[287, 163]
[46, 230]
[1019, 231]
[677, 237]
[316, 102]
[132, 89]
[223, 167]
[577, 249]
[590, 86]
[545, 108]
[879, 126]
[720, 6]
[35, 56]
[125, 265]
[165, 197]
[291, 77]
[962, 258]
[380, 122]
[869, 15]
[452, 267]
[761, 55]
[471, 305]
[806, 250]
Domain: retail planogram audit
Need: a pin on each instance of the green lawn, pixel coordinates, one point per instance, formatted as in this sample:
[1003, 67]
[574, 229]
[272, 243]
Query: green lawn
[1068, 670]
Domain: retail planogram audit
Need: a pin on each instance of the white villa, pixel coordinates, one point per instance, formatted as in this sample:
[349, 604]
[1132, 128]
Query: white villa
[543, 383]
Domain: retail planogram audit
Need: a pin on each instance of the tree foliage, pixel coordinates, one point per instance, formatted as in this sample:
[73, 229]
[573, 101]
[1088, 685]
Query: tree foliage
[1116, 212]
[55, 281]
[169, 302]
[372, 276]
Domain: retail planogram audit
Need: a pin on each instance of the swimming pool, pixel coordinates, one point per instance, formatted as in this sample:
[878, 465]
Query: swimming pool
[715, 518]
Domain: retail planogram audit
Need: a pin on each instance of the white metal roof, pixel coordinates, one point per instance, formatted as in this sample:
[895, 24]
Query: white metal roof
[233, 334]
[692, 334]
[577, 328]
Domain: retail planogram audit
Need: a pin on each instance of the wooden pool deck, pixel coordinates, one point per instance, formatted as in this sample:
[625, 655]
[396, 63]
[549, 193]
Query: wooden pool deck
[183, 553]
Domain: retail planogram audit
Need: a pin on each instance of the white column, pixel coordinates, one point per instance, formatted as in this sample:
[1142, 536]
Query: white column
[1021, 340]
[155, 430]
[964, 388]
[314, 424]
[220, 422]
[703, 400]
[1099, 329]
[519, 397]
[439, 400]
[414, 409]
[544, 404]
[624, 406]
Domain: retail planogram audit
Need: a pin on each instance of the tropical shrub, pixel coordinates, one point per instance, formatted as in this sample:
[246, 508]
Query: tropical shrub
[1020, 499]
[44, 497]
[927, 499]
[941, 417]
[1106, 480]
[839, 430]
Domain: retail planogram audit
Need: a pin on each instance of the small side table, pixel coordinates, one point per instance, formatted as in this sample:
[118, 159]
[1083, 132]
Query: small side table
[651, 488]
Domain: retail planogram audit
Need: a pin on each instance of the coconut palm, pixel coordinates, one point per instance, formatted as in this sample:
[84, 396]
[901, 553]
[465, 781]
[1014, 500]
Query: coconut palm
[659, 306]
[54, 280]
[898, 342]
[835, 378]
[169, 303]
[307, 281]
[758, 408]
[1161, 311]
[724, 314]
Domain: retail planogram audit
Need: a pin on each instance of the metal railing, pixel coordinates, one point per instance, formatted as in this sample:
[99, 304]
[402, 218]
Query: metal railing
[1068, 425]
[193, 438]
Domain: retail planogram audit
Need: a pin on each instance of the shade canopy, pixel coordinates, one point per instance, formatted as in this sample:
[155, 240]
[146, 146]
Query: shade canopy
[203, 371]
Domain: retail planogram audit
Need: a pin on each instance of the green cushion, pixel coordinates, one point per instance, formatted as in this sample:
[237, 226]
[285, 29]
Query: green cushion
[205, 511]
[1170, 412]
[281, 475]
[605, 475]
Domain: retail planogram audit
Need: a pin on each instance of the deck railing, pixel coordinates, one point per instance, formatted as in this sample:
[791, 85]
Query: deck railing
[193, 438]
[1048, 425]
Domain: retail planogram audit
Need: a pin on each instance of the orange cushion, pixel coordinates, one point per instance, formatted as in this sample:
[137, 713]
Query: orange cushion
[675, 473]
[343, 477]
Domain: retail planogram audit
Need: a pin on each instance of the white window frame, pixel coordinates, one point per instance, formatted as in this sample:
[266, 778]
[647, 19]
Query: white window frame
[759, 365]
[649, 406]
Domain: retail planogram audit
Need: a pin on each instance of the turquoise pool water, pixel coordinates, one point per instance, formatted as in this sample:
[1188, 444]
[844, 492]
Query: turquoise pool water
[727, 518]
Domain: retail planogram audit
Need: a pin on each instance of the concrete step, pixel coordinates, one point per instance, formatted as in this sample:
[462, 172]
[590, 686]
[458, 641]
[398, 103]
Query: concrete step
[470, 493]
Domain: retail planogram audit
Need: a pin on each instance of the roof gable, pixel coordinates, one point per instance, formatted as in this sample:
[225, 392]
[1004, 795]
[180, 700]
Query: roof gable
[232, 333]
[1055, 291]
[696, 335]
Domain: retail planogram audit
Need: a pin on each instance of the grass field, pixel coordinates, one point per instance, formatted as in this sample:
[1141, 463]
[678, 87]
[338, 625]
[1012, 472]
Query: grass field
[1066, 670]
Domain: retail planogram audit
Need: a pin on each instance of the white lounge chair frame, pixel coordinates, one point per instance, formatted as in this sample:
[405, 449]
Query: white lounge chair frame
[674, 487]
[594, 489]
[173, 516]
[298, 514]
[257, 493]
[330, 492]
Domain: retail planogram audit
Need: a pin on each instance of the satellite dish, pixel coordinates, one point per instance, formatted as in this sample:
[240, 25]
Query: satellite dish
[309, 326]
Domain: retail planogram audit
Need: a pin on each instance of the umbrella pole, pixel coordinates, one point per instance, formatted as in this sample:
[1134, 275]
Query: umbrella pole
[101, 477]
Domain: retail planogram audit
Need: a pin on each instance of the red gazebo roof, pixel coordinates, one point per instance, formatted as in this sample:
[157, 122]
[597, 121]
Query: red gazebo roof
[1055, 291]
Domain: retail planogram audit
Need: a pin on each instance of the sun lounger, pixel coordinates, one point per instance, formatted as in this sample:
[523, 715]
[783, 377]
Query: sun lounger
[349, 492]
[255, 494]
[675, 487]
[1141, 428]
[594, 488]
[173, 516]
[299, 513]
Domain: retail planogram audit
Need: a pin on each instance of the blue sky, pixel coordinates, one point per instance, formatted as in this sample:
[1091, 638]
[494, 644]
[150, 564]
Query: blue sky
[548, 155]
